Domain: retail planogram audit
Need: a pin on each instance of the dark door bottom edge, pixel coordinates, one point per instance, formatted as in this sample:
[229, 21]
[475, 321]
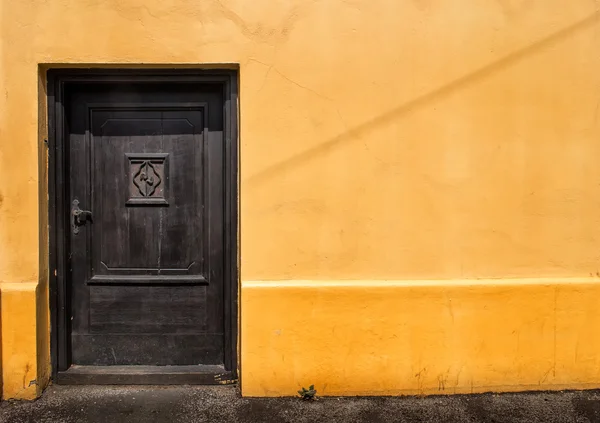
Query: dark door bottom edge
[145, 375]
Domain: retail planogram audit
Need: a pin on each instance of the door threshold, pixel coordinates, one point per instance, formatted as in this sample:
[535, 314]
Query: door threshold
[145, 375]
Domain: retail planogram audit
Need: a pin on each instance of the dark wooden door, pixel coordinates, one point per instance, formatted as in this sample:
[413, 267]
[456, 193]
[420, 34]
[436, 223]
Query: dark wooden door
[146, 286]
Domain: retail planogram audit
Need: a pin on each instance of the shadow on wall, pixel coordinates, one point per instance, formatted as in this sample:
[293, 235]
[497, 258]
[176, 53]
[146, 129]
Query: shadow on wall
[423, 100]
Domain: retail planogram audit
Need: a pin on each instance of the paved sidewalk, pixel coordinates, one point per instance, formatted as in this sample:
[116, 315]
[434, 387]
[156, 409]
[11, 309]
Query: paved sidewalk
[66, 404]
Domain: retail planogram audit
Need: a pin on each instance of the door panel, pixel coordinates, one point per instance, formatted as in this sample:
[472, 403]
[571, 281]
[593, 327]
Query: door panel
[145, 310]
[154, 165]
[146, 278]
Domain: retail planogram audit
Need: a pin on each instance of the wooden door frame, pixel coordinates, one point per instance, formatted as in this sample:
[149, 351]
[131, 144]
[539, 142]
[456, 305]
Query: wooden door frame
[58, 197]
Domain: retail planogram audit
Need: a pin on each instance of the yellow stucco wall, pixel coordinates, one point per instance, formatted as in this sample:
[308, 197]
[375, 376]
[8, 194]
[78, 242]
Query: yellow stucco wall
[22, 376]
[412, 140]
[420, 337]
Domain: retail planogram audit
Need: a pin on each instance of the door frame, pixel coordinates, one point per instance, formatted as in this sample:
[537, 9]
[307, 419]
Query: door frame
[57, 79]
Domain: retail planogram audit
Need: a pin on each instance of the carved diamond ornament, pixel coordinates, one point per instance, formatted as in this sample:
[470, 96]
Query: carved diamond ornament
[148, 177]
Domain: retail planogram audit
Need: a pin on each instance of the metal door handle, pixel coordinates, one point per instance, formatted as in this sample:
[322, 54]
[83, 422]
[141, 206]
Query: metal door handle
[79, 216]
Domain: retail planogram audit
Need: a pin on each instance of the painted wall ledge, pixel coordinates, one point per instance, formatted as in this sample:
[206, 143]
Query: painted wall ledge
[420, 337]
[307, 283]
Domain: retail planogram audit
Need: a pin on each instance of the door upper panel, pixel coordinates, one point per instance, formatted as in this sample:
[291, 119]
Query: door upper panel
[150, 194]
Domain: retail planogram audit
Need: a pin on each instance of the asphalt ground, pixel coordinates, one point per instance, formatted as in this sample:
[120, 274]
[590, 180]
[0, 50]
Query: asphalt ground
[189, 404]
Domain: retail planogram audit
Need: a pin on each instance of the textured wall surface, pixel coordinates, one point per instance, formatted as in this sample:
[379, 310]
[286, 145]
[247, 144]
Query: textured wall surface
[420, 337]
[380, 140]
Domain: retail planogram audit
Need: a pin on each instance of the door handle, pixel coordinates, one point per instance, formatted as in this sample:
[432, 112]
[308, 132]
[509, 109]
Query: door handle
[79, 216]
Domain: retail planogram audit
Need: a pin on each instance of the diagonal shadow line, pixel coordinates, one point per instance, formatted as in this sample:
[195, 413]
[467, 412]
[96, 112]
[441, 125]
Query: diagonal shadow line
[421, 101]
